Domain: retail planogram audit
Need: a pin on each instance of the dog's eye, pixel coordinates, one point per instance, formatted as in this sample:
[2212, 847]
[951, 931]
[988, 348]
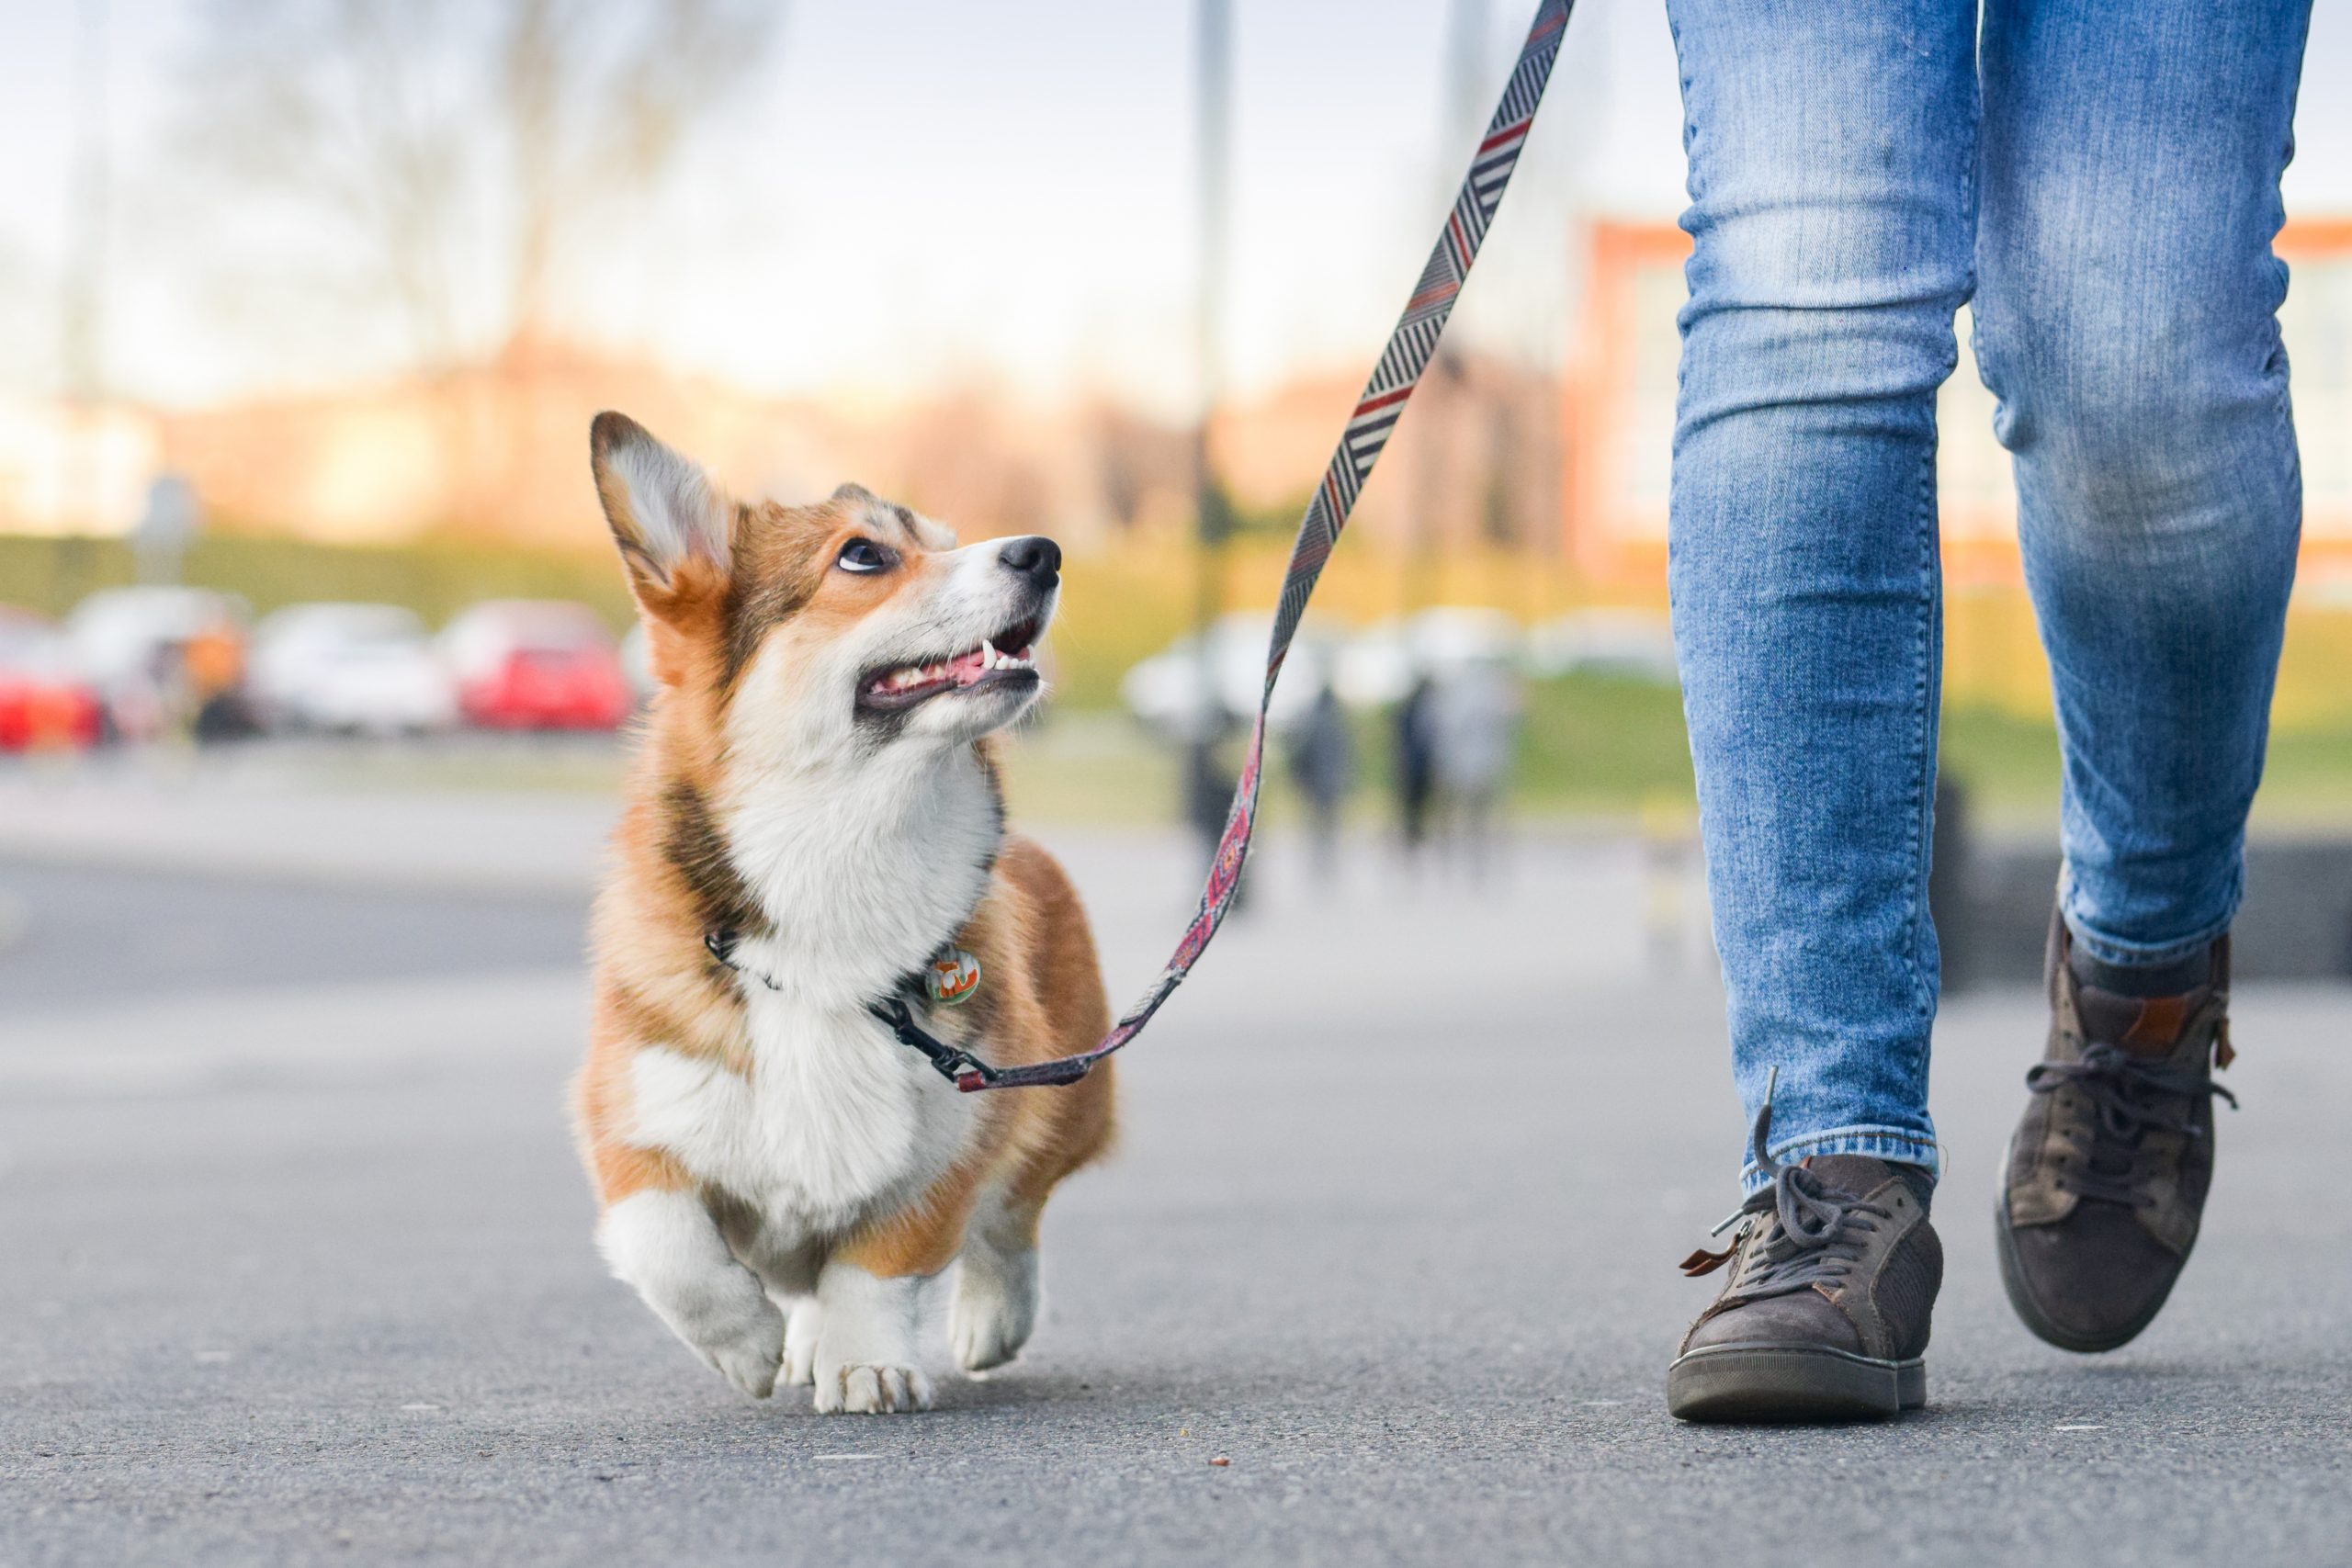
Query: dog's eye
[863, 556]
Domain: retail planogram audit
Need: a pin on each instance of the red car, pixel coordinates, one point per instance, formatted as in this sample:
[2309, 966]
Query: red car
[536, 664]
[45, 705]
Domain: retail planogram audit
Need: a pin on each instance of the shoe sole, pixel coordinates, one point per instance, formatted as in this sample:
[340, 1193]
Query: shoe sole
[2029, 1311]
[1779, 1383]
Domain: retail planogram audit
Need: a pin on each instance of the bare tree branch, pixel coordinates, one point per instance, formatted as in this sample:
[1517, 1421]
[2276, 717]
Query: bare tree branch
[449, 143]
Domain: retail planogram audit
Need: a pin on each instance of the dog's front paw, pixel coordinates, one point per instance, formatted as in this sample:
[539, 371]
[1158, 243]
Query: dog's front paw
[872, 1391]
[666, 1245]
[995, 1308]
[749, 1354]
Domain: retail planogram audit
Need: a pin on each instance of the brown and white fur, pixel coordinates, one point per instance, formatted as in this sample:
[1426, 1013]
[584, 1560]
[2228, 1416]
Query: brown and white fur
[778, 1177]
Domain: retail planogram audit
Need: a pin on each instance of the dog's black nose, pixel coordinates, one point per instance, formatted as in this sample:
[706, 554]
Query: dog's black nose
[1035, 557]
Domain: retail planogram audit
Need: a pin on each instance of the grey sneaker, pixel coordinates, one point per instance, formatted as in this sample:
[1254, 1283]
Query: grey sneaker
[1834, 1275]
[2109, 1167]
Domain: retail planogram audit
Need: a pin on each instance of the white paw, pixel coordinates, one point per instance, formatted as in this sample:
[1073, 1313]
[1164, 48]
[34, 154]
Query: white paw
[800, 1344]
[665, 1245]
[872, 1391]
[995, 1308]
[750, 1357]
[868, 1342]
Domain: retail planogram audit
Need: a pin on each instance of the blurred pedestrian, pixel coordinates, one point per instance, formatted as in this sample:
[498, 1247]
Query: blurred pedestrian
[1417, 744]
[1476, 725]
[1209, 784]
[212, 665]
[2100, 183]
[1323, 762]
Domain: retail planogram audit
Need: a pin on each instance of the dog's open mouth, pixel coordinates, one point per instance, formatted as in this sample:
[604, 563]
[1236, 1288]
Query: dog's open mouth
[1001, 661]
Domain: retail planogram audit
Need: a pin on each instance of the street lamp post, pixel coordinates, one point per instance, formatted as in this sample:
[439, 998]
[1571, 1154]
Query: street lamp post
[1204, 802]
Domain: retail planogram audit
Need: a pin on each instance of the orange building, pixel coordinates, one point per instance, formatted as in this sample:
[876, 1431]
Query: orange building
[1620, 416]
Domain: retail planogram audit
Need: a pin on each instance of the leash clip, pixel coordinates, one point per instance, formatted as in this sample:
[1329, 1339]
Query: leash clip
[957, 1066]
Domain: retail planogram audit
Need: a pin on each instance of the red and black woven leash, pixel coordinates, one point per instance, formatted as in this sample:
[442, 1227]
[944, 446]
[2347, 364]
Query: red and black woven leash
[1368, 429]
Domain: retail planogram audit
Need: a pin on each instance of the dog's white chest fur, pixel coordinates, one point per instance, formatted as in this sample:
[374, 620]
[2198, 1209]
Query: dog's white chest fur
[861, 880]
[835, 1121]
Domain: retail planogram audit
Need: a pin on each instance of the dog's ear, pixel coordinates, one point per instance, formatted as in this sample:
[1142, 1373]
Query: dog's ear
[672, 524]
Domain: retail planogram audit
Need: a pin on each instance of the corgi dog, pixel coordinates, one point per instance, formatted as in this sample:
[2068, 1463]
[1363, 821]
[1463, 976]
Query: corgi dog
[813, 821]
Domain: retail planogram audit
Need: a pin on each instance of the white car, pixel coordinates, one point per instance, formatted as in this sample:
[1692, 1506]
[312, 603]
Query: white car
[124, 641]
[118, 634]
[1378, 666]
[1165, 690]
[1637, 644]
[366, 668]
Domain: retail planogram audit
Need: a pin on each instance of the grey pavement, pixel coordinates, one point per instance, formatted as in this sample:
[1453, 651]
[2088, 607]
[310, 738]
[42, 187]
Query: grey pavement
[295, 1267]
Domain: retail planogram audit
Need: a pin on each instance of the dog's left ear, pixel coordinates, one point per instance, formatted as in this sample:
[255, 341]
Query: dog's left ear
[672, 524]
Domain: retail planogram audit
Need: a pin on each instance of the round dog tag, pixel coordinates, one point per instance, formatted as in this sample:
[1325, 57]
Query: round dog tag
[951, 977]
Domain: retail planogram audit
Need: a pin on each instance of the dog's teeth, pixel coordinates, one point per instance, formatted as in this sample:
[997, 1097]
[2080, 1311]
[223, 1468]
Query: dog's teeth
[987, 654]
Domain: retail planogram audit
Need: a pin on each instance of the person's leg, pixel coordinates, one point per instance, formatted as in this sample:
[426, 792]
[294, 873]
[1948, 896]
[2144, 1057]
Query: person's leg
[1832, 147]
[2127, 323]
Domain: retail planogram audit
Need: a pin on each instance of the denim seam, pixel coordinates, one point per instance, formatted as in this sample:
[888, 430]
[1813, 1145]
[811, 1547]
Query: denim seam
[1924, 681]
[1879, 1132]
[1923, 772]
[1873, 1139]
[2138, 955]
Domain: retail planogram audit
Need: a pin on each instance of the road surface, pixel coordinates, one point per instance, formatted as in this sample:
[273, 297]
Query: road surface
[295, 1265]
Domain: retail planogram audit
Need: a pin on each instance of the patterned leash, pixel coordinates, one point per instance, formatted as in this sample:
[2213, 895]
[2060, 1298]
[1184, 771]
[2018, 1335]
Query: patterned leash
[1400, 370]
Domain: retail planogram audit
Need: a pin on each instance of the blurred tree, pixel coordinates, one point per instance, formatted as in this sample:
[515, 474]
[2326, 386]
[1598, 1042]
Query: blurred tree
[1136, 459]
[463, 146]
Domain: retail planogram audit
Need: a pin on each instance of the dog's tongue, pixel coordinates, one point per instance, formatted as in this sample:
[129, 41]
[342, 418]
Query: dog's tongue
[966, 667]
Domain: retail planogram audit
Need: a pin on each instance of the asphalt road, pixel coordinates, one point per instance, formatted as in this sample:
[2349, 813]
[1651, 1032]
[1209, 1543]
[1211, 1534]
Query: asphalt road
[69, 934]
[295, 1267]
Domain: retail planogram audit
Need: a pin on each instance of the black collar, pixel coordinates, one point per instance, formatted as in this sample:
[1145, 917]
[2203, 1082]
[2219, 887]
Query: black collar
[956, 1064]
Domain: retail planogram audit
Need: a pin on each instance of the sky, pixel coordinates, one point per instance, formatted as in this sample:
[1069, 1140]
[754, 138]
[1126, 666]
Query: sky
[914, 192]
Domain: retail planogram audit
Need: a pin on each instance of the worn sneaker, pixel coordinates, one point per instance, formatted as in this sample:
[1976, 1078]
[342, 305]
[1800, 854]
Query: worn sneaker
[2108, 1170]
[1834, 1273]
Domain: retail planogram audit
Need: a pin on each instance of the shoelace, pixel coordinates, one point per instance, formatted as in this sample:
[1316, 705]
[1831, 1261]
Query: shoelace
[2131, 1096]
[1814, 1235]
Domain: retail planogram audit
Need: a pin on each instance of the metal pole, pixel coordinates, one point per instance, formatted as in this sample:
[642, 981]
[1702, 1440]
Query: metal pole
[1212, 84]
[86, 213]
[80, 357]
[1213, 64]
[1461, 106]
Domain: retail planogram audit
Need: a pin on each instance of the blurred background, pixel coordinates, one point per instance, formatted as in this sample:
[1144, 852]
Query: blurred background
[305, 305]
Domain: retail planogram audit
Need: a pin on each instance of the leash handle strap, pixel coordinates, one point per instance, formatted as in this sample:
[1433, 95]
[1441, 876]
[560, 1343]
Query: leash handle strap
[1368, 429]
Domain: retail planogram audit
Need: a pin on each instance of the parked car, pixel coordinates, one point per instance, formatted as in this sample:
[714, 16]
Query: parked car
[1165, 691]
[1379, 667]
[366, 668]
[161, 656]
[535, 664]
[45, 705]
[1636, 644]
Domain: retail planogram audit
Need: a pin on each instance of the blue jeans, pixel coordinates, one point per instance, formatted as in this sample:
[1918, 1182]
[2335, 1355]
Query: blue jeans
[2102, 181]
